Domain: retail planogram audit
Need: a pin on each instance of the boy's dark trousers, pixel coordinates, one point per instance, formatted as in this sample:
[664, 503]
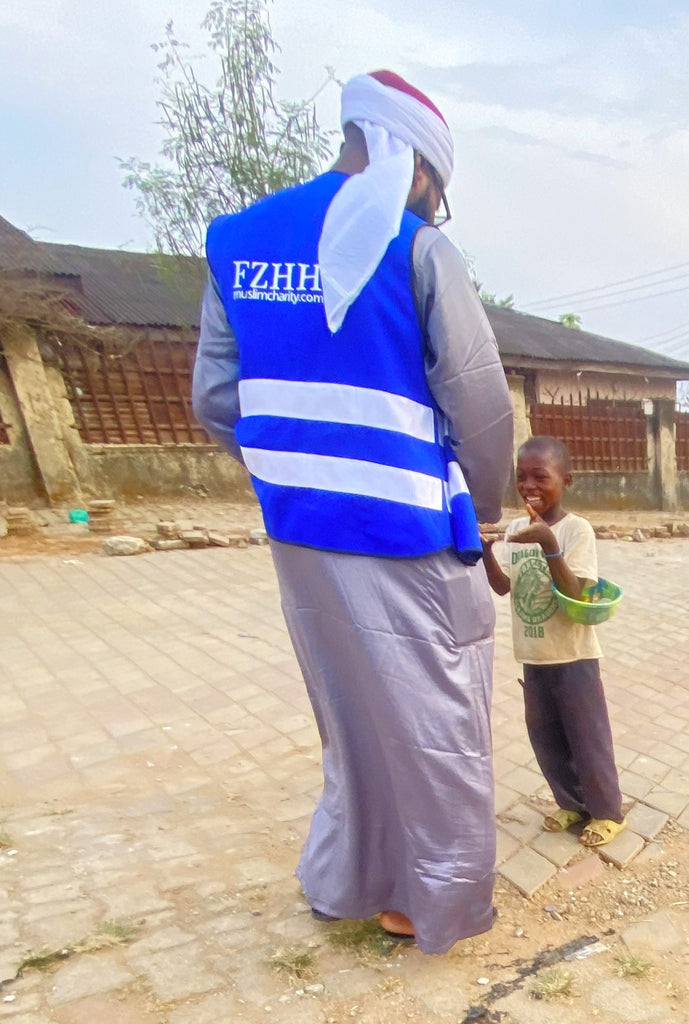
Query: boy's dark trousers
[569, 728]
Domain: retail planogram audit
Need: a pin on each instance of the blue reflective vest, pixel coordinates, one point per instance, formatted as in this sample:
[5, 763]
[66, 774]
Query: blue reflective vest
[344, 442]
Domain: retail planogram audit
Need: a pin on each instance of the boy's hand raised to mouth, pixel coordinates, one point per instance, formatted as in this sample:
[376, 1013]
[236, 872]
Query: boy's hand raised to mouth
[537, 532]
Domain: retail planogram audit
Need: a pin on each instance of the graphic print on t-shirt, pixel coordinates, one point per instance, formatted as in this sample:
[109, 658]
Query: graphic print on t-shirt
[534, 600]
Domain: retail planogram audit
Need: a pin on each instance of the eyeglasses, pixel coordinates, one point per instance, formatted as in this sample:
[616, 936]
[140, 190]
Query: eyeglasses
[444, 215]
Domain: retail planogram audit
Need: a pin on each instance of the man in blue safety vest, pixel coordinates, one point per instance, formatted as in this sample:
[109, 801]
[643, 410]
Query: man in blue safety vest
[346, 359]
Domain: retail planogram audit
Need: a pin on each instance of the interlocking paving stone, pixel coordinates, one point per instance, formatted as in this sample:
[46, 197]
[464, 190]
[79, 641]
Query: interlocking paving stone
[672, 803]
[624, 755]
[506, 846]
[677, 781]
[135, 899]
[48, 894]
[177, 973]
[623, 848]
[646, 821]
[633, 785]
[649, 768]
[669, 755]
[558, 847]
[259, 870]
[523, 780]
[681, 741]
[210, 1010]
[229, 924]
[54, 908]
[624, 1001]
[518, 752]
[528, 871]
[166, 938]
[587, 870]
[657, 933]
[504, 797]
[85, 977]
[672, 722]
[21, 1008]
[522, 821]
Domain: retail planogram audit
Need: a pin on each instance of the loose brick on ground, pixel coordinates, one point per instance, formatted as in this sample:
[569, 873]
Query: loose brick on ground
[528, 871]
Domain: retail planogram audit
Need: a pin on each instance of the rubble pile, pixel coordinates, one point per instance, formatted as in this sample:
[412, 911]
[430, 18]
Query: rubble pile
[19, 520]
[101, 517]
[641, 534]
[175, 534]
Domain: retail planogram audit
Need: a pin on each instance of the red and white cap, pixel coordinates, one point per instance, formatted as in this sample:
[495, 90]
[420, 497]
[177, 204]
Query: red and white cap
[365, 215]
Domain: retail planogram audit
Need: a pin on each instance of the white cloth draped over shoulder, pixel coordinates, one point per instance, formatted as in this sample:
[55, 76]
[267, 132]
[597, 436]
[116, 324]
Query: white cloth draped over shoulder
[366, 213]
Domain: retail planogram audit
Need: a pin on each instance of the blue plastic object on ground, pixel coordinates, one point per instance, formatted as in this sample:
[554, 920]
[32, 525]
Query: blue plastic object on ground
[78, 515]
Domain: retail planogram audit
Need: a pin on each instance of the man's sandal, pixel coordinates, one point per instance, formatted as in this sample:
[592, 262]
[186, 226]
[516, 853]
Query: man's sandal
[600, 831]
[560, 820]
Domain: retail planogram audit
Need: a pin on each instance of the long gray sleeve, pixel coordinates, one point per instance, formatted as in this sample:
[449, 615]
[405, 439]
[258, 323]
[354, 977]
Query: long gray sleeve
[215, 386]
[464, 371]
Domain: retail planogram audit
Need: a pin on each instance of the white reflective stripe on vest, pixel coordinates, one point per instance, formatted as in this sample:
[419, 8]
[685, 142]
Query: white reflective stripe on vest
[336, 403]
[348, 476]
[456, 484]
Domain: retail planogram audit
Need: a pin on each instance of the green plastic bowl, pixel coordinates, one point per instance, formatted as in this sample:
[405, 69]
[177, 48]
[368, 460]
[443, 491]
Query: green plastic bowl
[607, 597]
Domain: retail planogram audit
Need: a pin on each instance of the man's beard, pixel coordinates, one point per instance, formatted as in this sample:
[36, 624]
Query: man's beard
[423, 206]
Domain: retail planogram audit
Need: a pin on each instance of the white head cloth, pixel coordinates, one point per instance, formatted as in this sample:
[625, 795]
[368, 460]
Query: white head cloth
[366, 213]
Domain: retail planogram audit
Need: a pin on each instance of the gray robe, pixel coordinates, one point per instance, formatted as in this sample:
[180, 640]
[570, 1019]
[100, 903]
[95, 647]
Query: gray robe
[397, 653]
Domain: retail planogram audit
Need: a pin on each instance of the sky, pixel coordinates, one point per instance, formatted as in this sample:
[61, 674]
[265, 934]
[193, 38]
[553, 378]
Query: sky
[570, 120]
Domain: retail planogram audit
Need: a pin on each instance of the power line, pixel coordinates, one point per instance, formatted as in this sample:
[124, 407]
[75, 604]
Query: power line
[678, 351]
[672, 343]
[670, 330]
[636, 288]
[663, 345]
[596, 292]
[639, 298]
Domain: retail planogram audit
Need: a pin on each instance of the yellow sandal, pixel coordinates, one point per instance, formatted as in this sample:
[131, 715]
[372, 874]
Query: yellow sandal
[600, 831]
[560, 820]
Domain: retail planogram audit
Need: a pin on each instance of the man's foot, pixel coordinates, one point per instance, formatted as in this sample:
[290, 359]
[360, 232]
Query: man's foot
[600, 831]
[397, 925]
[560, 820]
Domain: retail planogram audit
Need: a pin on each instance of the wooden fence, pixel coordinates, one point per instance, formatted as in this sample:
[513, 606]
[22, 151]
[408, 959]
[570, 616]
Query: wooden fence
[144, 397]
[601, 434]
[141, 397]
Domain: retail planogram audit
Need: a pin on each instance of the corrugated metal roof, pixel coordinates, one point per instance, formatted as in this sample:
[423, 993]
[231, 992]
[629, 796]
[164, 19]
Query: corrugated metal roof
[19, 252]
[147, 289]
[531, 337]
[136, 288]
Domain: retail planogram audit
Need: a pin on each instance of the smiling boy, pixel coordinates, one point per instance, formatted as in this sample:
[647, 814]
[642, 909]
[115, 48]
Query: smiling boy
[566, 714]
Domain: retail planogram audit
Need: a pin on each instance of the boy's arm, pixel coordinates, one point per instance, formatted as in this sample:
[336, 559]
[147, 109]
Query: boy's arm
[498, 580]
[564, 579]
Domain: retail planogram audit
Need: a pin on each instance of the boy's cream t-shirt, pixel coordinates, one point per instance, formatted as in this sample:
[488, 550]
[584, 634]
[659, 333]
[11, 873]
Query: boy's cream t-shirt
[542, 633]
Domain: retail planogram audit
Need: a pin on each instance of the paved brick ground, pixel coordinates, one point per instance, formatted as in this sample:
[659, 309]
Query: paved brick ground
[159, 763]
